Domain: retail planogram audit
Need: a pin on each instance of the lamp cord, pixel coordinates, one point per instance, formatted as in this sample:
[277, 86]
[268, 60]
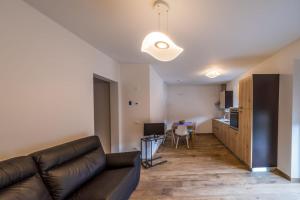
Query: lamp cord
[159, 21]
[167, 21]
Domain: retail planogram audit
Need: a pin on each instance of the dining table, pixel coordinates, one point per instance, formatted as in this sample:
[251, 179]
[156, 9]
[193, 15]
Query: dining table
[183, 124]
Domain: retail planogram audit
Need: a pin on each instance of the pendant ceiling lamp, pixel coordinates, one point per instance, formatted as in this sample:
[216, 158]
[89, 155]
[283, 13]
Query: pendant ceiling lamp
[158, 44]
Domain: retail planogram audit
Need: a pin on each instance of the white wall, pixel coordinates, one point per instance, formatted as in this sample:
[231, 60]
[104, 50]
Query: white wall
[296, 122]
[193, 103]
[46, 81]
[141, 84]
[136, 88]
[158, 97]
[158, 102]
[285, 123]
[283, 63]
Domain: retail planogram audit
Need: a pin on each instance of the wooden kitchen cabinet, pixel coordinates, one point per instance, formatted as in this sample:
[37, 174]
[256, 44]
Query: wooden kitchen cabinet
[228, 136]
[245, 119]
[222, 133]
[234, 134]
[239, 146]
[226, 139]
[214, 125]
[230, 145]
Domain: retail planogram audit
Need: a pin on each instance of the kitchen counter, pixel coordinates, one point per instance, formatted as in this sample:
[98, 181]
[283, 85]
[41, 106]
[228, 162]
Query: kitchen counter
[224, 121]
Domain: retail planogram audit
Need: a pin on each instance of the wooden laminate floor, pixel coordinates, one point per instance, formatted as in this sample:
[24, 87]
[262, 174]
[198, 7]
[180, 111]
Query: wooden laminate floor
[208, 171]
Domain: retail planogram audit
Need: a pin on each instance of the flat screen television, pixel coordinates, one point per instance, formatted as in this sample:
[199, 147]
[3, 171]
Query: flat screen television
[154, 129]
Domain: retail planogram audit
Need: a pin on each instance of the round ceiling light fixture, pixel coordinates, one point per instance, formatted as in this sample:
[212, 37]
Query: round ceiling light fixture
[162, 45]
[213, 74]
[158, 44]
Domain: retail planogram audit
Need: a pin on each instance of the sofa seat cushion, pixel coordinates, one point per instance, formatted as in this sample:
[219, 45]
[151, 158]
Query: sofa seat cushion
[29, 189]
[116, 184]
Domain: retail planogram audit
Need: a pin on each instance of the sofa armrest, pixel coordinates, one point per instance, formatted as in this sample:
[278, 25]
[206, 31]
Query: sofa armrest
[126, 159]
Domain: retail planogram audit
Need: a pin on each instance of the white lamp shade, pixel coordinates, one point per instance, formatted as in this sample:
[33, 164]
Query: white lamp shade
[160, 46]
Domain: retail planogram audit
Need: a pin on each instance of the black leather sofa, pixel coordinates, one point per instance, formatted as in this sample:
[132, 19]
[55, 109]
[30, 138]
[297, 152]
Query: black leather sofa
[78, 170]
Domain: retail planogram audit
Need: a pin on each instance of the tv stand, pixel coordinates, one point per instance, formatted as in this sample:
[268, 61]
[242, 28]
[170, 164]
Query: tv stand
[148, 162]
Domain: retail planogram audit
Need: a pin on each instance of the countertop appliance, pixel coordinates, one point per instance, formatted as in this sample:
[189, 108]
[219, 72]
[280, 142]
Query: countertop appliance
[234, 118]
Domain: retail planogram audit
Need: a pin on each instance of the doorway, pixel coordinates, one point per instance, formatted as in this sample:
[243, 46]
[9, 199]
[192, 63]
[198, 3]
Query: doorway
[102, 112]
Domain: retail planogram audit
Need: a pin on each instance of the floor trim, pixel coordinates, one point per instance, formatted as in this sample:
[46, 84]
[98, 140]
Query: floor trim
[203, 133]
[284, 175]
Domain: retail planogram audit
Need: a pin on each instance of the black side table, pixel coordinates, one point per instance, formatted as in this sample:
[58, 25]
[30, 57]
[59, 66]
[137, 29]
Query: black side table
[148, 162]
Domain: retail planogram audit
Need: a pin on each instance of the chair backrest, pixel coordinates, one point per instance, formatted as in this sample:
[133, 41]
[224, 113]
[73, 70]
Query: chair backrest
[181, 130]
[64, 168]
[19, 179]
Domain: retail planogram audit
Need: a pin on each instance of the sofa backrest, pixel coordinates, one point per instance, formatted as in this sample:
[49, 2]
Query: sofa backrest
[66, 167]
[19, 179]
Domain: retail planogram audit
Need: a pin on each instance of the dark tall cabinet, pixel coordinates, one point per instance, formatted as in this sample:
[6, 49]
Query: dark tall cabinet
[258, 107]
[265, 120]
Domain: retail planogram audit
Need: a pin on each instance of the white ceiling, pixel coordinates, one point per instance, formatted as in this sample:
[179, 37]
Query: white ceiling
[231, 35]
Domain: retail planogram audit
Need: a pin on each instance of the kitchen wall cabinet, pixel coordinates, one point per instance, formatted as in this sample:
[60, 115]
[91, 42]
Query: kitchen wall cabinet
[226, 99]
